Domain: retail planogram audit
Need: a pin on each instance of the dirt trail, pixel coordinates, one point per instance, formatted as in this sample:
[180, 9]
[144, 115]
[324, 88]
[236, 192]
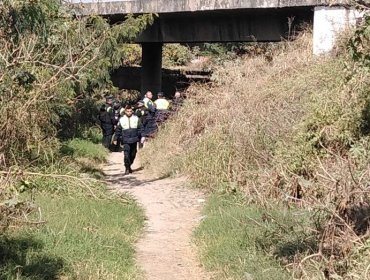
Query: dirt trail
[165, 251]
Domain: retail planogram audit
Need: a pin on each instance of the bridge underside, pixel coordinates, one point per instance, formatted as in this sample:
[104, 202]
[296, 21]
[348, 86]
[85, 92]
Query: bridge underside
[245, 25]
[248, 25]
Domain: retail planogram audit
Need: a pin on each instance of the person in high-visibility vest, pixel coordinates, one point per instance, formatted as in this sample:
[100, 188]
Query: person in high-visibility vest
[148, 103]
[161, 103]
[128, 132]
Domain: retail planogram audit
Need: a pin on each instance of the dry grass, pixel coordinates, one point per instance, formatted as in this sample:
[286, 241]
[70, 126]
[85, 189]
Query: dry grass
[246, 107]
[292, 130]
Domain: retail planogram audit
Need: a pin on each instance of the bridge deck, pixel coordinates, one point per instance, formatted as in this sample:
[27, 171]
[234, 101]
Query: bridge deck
[111, 7]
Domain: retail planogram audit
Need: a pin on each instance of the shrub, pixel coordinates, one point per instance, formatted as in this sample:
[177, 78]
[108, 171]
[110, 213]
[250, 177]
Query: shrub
[176, 55]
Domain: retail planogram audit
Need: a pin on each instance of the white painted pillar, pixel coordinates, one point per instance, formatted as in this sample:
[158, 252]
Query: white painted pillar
[327, 23]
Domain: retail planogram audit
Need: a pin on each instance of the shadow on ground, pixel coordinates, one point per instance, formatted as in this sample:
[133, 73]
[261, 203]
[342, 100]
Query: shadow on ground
[20, 258]
[129, 181]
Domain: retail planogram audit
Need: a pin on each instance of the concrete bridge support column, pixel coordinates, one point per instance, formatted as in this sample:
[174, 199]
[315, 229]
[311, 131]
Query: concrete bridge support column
[151, 71]
[328, 23]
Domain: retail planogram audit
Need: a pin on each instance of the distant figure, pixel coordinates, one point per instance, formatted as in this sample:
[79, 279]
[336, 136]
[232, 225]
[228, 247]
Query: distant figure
[107, 126]
[116, 111]
[109, 103]
[177, 101]
[140, 110]
[148, 102]
[150, 125]
[161, 103]
[142, 114]
[128, 133]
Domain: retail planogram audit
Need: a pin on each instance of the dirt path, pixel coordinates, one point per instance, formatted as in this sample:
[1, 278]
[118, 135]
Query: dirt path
[165, 251]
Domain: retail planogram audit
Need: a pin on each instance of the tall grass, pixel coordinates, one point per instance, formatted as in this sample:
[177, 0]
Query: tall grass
[291, 130]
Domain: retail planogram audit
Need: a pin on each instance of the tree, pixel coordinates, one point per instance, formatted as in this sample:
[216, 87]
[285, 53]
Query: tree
[48, 58]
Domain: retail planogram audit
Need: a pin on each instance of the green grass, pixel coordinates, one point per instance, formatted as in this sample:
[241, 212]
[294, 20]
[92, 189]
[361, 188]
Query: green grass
[81, 231]
[82, 239]
[237, 242]
[78, 148]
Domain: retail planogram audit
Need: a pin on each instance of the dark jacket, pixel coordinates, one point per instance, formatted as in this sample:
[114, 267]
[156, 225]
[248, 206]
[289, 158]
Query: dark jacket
[142, 114]
[150, 125]
[106, 123]
[129, 130]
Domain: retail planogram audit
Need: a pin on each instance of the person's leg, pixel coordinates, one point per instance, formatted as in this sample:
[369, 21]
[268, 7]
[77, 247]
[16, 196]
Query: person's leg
[133, 151]
[127, 157]
[115, 147]
[106, 141]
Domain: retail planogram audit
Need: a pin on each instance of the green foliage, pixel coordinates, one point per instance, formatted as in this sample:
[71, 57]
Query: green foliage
[359, 43]
[44, 68]
[84, 148]
[176, 55]
[132, 54]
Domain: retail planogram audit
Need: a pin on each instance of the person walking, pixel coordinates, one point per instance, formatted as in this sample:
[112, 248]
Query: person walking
[142, 113]
[177, 101]
[128, 133]
[107, 126]
[161, 103]
[148, 100]
[109, 103]
[162, 106]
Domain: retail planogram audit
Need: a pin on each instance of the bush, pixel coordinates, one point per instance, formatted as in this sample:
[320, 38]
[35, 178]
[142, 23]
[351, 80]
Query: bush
[176, 55]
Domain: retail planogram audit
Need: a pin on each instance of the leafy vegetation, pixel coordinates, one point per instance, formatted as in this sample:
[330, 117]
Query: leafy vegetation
[57, 220]
[52, 65]
[46, 69]
[176, 55]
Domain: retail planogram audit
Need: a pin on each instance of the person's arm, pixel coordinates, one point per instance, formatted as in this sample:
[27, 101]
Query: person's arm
[140, 128]
[118, 133]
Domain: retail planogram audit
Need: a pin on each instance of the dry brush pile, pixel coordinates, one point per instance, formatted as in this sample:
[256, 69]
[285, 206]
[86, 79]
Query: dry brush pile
[292, 131]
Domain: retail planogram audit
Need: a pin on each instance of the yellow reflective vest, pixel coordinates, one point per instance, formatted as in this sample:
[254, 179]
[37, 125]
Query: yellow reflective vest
[127, 123]
[162, 104]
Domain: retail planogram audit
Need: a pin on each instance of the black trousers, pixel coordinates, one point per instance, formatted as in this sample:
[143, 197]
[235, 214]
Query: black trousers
[129, 151]
[106, 141]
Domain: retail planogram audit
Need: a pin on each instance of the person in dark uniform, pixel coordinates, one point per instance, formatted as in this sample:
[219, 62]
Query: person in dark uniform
[107, 126]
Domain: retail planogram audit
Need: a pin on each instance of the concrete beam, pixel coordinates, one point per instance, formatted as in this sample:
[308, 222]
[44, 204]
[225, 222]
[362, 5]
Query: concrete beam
[223, 28]
[111, 7]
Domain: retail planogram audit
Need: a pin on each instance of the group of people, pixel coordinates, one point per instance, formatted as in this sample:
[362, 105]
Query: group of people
[130, 125]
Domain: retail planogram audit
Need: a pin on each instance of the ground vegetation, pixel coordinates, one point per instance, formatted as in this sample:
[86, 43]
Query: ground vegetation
[284, 139]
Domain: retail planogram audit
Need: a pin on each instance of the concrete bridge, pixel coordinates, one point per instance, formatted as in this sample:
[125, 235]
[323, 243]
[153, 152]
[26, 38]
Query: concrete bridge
[194, 21]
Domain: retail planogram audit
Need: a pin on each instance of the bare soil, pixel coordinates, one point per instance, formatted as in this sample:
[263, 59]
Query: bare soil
[165, 251]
